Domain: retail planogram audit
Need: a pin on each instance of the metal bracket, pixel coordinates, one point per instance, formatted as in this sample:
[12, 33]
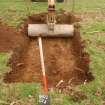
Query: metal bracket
[51, 18]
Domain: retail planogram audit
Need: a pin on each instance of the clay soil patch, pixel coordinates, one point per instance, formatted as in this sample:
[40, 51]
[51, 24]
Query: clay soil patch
[65, 58]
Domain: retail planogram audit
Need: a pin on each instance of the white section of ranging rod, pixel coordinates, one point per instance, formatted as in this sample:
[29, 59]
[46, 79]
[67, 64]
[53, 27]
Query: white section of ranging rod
[41, 56]
[51, 2]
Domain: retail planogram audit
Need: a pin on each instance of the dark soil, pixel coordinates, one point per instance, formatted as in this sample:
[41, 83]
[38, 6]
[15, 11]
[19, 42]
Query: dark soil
[65, 58]
[10, 38]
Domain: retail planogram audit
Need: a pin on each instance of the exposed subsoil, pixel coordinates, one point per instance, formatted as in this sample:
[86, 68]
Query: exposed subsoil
[10, 38]
[65, 58]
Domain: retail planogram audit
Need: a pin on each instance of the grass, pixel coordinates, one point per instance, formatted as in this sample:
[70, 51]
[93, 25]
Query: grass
[92, 31]
[3, 61]
[13, 12]
[18, 92]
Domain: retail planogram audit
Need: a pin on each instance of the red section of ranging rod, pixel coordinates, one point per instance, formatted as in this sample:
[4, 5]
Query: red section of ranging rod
[45, 84]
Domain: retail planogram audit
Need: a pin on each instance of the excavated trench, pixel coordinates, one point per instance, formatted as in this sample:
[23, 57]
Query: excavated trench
[65, 58]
